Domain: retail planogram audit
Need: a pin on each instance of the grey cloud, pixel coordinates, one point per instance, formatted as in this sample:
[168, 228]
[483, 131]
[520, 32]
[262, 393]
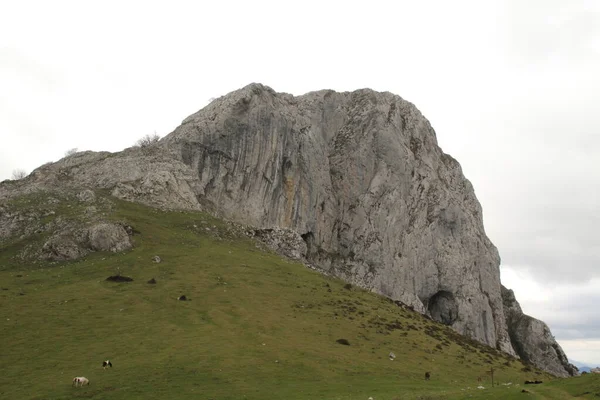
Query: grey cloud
[574, 317]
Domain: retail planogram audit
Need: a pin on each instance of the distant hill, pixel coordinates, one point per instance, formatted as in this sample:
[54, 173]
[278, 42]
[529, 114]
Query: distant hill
[583, 367]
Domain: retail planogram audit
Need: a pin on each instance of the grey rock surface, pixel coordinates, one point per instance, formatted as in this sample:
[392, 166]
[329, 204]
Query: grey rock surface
[108, 237]
[87, 196]
[146, 175]
[63, 247]
[360, 176]
[69, 243]
[533, 341]
[283, 241]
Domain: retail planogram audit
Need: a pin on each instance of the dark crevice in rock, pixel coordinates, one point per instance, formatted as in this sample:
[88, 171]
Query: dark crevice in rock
[309, 239]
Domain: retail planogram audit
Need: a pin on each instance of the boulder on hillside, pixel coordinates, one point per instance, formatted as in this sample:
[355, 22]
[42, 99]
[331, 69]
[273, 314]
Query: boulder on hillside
[86, 196]
[108, 237]
[62, 247]
[69, 243]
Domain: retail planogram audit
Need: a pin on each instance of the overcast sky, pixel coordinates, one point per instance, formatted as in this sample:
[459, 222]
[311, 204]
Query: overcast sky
[511, 87]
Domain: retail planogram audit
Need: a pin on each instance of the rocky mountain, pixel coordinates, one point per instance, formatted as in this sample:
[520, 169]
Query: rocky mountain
[357, 183]
[532, 339]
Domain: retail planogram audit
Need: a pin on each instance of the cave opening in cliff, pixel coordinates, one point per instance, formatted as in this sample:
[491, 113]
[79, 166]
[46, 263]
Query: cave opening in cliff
[443, 308]
[309, 239]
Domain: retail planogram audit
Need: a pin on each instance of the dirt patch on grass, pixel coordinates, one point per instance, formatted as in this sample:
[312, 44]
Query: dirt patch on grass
[119, 278]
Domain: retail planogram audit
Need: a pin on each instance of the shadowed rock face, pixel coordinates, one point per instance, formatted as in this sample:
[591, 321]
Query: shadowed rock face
[533, 341]
[358, 177]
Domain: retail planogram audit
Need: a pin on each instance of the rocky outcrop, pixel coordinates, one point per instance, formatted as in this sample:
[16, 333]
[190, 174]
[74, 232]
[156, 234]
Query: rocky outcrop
[63, 247]
[108, 237]
[283, 241]
[69, 243]
[361, 178]
[353, 183]
[147, 175]
[61, 228]
[533, 341]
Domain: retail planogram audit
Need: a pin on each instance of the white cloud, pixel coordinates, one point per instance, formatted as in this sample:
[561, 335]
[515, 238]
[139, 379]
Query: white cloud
[585, 351]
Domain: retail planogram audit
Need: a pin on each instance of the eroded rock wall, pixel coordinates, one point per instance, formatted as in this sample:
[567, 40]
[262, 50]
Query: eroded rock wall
[533, 341]
[360, 176]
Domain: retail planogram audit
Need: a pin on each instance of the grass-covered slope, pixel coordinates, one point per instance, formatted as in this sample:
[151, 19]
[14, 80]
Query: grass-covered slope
[255, 326]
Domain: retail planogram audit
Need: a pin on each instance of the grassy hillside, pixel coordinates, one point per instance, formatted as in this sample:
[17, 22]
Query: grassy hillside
[255, 326]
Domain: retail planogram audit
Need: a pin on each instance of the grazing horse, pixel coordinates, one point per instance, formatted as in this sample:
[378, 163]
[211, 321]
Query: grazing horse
[80, 381]
[427, 375]
[106, 364]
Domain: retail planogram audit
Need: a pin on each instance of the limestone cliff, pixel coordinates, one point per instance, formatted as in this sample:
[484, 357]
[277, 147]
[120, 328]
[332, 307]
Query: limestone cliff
[532, 339]
[357, 176]
[360, 176]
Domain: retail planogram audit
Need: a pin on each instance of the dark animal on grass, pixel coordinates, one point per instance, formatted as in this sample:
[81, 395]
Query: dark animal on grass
[106, 364]
[345, 342]
[427, 375]
[182, 298]
[533, 382]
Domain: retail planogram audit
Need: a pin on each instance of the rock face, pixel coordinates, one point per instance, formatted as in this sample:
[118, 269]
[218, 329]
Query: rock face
[353, 183]
[361, 178]
[532, 339]
[70, 244]
[148, 175]
[283, 241]
[108, 237]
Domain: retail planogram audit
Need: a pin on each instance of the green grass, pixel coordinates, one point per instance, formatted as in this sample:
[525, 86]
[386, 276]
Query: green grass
[256, 327]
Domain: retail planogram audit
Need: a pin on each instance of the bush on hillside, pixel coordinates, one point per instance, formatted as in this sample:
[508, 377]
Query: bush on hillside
[72, 151]
[148, 141]
[18, 174]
